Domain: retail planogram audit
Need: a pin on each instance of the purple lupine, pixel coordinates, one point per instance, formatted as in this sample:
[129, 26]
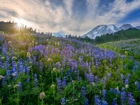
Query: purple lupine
[27, 80]
[114, 101]
[126, 81]
[90, 77]
[59, 83]
[131, 100]
[115, 91]
[9, 72]
[13, 69]
[4, 80]
[28, 70]
[41, 65]
[137, 84]
[104, 102]
[64, 82]
[135, 67]
[83, 91]
[104, 93]
[108, 75]
[86, 102]
[35, 80]
[123, 89]
[97, 100]
[63, 101]
[123, 97]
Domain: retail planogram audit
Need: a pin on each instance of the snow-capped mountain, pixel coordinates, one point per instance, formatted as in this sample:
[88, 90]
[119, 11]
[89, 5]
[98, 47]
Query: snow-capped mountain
[125, 27]
[138, 27]
[101, 30]
[60, 34]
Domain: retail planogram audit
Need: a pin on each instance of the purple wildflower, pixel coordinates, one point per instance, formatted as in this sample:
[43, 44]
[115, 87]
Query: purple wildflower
[83, 91]
[59, 83]
[97, 100]
[131, 100]
[63, 101]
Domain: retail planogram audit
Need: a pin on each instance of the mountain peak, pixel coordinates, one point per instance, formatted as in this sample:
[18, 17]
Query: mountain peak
[101, 30]
[125, 27]
[60, 34]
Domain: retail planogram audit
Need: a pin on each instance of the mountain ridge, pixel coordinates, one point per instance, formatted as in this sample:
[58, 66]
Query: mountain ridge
[107, 29]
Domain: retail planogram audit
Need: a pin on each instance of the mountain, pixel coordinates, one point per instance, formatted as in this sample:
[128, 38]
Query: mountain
[138, 27]
[60, 34]
[101, 30]
[125, 27]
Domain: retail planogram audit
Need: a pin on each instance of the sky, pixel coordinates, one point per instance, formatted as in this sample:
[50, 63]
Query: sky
[75, 17]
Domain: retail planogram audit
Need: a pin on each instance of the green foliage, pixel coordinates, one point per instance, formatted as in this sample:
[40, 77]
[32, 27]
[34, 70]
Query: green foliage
[2, 72]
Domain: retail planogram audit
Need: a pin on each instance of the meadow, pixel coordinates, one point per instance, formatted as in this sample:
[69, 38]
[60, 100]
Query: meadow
[45, 70]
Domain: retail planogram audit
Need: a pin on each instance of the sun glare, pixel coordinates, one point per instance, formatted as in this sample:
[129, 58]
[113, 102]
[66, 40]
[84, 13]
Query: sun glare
[20, 22]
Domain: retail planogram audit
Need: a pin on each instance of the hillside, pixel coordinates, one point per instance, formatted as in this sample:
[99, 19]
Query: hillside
[121, 35]
[36, 68]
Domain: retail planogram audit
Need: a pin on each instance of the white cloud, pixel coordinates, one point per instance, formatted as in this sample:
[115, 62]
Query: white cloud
[43, 17]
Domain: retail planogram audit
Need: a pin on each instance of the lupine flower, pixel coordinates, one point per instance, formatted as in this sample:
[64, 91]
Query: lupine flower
[86, 102]
[114, 101]
[97, 100]
[126, 81]
[35, 80]
[27, 80]
[123, 97]
[64, 82]
[83, 91]
[8, 72]
[90, 77]
[104, 102]
[14, 74]
[131, 100]
[115, 91]
[28, 70]
[41, 66]
[135, 67]
[137, 84]
[104, 93]
[108, 75]
[3, 80]
[59, 83]
[63, 101]
[123, 89]
[13, 69]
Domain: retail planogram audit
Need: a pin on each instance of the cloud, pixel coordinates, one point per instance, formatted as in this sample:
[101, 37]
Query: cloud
[72, 16]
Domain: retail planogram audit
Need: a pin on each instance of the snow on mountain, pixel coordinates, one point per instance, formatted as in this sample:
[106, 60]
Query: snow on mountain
[101, 30]
[60, 34]
[138, 27]
[125, 27]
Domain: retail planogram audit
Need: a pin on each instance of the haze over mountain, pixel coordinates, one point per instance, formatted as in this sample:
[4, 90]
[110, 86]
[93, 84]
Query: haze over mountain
[60, 34]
